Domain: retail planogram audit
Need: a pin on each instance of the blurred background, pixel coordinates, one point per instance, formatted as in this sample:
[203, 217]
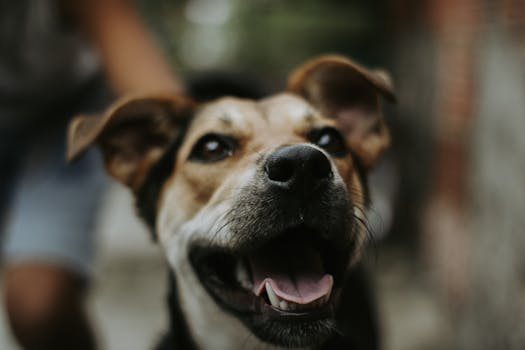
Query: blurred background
[448, 198]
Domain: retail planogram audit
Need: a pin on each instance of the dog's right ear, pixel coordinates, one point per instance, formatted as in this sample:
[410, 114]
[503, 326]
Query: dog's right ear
[133, 134]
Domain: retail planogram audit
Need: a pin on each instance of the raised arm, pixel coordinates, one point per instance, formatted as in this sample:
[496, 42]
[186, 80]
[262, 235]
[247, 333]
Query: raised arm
[132, 59]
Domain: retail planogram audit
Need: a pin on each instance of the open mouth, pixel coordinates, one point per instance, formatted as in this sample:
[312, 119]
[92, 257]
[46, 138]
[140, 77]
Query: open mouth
[293, 278]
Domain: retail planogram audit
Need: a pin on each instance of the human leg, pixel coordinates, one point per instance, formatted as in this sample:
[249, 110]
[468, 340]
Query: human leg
[48, 249]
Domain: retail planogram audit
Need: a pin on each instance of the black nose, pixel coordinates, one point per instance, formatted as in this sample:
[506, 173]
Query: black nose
[298, 167]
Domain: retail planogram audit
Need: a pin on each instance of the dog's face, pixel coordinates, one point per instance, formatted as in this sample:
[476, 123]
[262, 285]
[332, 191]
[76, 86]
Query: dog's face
[258, 205]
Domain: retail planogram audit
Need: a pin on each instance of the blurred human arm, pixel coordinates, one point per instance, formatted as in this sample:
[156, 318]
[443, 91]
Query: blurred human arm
[131, 58]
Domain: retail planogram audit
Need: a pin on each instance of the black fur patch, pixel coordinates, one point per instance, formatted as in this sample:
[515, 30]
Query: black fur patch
[178, 336]
[147, 196]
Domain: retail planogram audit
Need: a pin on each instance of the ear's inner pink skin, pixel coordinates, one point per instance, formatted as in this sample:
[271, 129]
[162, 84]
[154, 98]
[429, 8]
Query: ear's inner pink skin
[294, 271]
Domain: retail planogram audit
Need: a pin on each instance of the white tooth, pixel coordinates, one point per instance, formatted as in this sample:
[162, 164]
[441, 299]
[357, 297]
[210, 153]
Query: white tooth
[242, 275]
[283, 305]
[274, 300]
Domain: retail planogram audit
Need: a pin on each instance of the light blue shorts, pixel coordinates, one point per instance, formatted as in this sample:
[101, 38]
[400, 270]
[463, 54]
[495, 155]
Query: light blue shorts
[50, 217]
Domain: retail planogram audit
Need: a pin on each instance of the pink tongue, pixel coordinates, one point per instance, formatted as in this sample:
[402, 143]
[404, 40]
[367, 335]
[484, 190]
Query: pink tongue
[294, 271]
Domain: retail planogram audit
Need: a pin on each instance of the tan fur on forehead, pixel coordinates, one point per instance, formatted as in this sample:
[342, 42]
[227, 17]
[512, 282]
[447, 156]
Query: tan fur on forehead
[287, 110]
[288, 105]
[227, 111]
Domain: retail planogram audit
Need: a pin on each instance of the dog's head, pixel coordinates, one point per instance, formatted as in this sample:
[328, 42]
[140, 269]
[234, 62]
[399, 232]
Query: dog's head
[258, 205]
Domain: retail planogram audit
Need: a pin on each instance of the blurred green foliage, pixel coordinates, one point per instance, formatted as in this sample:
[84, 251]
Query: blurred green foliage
[265, 37]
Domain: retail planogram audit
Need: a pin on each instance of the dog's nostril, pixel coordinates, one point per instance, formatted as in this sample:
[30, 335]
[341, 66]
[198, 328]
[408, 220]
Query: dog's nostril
[280, 169]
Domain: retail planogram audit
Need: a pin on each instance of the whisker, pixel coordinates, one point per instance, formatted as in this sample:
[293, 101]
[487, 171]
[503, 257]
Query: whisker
[364, 223]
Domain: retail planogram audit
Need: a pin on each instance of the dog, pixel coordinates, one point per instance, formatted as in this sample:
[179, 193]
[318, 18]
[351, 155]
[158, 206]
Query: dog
[259, 205]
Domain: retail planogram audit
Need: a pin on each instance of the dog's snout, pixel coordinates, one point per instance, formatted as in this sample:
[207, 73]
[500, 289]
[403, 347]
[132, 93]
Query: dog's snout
[298, 166]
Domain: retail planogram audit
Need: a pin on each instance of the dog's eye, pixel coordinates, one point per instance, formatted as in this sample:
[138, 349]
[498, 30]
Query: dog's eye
[330, 140]
[212, 148]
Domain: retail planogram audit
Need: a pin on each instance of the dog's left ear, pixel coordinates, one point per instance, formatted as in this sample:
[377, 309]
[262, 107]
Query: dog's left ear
[350, 93]
[132, 135]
